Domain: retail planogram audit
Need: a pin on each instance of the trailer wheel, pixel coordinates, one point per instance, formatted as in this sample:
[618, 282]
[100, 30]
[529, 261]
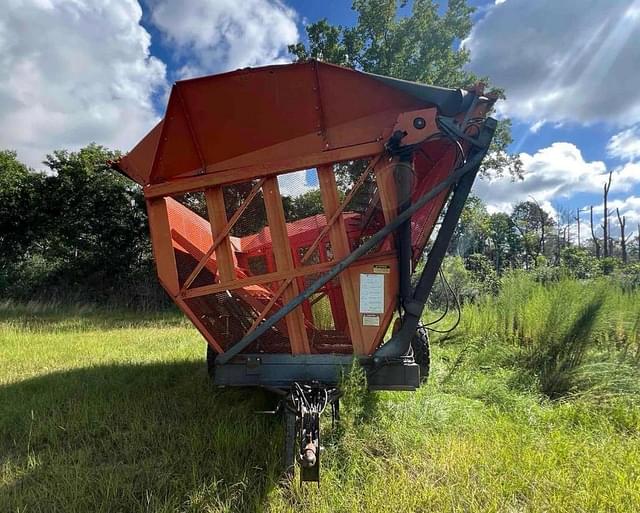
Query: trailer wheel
[290, 436]
[211, 361]
[420, 346]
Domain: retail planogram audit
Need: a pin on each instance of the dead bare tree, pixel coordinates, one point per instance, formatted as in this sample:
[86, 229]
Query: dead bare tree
[558, 243]
[578, 220]
[596, 242]
[605, 225]
[622, 221]
[611, 241]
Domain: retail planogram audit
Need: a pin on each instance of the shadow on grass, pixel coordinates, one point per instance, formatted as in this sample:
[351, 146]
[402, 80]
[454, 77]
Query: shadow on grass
[135, 438]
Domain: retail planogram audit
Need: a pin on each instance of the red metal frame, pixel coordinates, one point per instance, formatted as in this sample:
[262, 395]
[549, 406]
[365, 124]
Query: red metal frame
[250, 126]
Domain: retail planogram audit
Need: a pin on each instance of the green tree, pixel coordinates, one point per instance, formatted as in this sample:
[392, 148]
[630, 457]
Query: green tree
[305, 205]
[423, 46]
[472, 231]
[506, 244]
[21, 216]
[99, 216]
[79, 229]
[534, 226]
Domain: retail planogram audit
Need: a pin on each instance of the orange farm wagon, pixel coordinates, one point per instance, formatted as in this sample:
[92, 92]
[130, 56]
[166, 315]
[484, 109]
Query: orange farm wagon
[289, 207]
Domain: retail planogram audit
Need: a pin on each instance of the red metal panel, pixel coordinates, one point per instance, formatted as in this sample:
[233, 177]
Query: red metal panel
[244, 111]
[176, 151]
[237, 113]
[356, 106]
[137, 163]
[269, 114]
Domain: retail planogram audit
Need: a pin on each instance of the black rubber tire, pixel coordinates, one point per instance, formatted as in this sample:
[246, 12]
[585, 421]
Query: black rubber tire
[421, 355]
[211, 361]
[290, 439]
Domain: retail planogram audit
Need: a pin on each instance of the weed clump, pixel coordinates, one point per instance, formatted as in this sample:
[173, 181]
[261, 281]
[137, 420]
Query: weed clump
[561, 348]
[566, 337]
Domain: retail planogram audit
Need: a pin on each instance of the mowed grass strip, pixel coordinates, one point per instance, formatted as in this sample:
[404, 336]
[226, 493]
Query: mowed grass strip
[108, 411]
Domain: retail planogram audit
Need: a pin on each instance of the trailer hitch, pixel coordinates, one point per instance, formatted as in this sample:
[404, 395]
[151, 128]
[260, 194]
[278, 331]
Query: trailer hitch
[303, 407]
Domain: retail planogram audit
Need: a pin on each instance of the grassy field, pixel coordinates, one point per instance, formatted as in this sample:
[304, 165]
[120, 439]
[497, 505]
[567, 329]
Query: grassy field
[113, 412]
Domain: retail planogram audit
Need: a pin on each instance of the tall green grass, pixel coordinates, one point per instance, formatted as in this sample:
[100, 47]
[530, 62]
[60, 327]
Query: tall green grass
[109, 411]
[570, 336]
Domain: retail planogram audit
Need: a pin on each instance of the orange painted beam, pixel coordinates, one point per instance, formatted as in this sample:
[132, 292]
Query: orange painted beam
[340, 247]
[284, 262]
[249, 172]
[218, 221]
[162, 245]
[260, 279]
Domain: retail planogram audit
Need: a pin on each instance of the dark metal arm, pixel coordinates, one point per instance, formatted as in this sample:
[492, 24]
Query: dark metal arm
[399, 344]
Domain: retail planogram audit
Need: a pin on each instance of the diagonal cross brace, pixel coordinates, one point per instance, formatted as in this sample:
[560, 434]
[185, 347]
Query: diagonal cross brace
[221, 236]
[330, 222]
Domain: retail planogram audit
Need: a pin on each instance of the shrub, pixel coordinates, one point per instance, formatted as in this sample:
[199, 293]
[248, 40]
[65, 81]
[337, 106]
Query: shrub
[608, 265]
[468, 282]
[543, 272]
[483, 272]
[579, 263]
[629, 276]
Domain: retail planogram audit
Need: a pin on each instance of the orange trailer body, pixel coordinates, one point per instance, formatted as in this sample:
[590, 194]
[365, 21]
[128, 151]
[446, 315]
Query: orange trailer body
[255, 144]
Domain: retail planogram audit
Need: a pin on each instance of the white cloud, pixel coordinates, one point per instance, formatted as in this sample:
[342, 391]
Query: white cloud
[552, 173]
[74, 71]
[222, 35]
[535, 128]
[625, 145]
[298, 182]
[562, 61]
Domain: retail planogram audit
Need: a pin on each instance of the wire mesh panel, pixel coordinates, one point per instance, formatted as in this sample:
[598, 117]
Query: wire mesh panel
[271, 263]
[276, 236]
[432, 163]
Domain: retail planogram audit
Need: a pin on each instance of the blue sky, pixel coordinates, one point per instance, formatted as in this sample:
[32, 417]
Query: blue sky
[570, 70]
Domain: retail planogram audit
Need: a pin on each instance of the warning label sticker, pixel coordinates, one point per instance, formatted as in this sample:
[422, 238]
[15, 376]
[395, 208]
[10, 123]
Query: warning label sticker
[371, 320]
[381, 268]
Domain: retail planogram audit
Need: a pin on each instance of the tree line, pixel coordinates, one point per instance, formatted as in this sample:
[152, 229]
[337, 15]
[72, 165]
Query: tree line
[78, 232]
[529, 237]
